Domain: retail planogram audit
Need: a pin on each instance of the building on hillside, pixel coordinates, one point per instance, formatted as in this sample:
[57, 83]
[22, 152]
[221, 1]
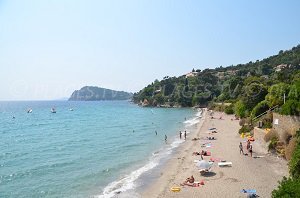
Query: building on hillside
[280, 67]
[191, 74]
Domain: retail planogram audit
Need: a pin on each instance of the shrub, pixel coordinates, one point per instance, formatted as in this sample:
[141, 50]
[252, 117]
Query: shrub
[245, 129]
[294, 164]
[290, 148]
[240, 109]
[288, 188]
[229, 109]
[273, 143]
[291, 107]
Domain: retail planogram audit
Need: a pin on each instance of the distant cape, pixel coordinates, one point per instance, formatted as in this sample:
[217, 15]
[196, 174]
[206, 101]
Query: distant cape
[91, 93]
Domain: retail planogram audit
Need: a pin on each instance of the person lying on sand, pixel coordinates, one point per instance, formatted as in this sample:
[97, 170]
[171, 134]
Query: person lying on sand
[189, 181]
[194, 139]
[210, 138]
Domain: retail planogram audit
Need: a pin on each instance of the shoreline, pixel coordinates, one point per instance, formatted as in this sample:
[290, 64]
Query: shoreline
[261, 174]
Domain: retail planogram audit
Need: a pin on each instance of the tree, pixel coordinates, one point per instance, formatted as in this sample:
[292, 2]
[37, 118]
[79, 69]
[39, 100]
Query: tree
[276, 94]
[291, 107]
[259, 108]
[294, 93]
[240, 109]
[253, 93]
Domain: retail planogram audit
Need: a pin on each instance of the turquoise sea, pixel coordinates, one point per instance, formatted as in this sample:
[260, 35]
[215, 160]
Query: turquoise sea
[99, 149]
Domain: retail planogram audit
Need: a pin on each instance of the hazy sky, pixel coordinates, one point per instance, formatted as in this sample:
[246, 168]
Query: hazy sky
[48, 48]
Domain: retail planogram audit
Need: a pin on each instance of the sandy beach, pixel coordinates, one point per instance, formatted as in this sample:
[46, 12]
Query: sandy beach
[261, 174]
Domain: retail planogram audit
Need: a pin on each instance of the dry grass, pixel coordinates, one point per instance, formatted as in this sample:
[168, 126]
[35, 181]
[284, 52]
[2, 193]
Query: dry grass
[270, 135]
[289, 149]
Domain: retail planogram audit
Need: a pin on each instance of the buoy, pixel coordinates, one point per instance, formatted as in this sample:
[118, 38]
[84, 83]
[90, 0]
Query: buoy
[175, 189]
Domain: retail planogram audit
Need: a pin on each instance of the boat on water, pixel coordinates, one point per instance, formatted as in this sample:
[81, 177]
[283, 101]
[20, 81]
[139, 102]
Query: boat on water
[53, 110]
[29, 111]
[71, 109]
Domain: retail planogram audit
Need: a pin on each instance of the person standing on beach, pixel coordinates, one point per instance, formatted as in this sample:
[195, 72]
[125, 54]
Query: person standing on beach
[241, 148]
[248, 144]
[184, 135]
[180, 134]
[166, 138]
[250, 150]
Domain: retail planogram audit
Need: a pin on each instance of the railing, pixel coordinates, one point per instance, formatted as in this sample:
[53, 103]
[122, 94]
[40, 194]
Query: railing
[271, 109]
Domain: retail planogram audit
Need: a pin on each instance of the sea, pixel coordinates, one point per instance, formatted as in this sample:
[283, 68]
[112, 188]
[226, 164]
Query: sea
[85, 149]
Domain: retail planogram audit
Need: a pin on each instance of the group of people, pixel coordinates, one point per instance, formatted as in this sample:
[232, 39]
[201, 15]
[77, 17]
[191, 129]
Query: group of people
[180, 134]
[249, 148]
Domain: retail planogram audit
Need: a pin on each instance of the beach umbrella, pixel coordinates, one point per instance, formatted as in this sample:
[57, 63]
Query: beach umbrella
[204, 164]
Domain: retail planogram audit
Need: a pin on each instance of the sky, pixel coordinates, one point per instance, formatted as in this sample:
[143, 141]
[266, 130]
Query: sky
[49, 48]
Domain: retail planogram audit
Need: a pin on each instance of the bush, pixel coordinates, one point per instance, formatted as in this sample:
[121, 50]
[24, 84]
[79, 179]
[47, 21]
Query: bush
[229, 109]
[288, 188]
[294, 164]
[290, 148]
[240, 109]
[273, 143]
[246, 129]
[291, 107]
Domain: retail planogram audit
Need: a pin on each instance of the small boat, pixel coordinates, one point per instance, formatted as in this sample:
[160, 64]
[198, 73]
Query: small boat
[29, 111]
[53, 110]
[71, 109]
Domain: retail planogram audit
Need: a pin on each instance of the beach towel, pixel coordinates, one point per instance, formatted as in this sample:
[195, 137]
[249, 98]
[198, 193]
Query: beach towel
[212, 159]
[222, 164]
[195, 184]
[259, 156]
[206, 145]
[249, 191]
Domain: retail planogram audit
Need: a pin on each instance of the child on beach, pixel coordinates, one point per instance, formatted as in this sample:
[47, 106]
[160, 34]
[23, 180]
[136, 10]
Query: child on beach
[250, 150]
[241, 148]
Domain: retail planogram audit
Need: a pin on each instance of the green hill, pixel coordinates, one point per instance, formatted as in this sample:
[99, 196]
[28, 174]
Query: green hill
[90, 93]
[248, 83]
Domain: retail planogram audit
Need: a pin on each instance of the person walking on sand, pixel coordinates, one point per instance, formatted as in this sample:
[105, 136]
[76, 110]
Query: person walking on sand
[241, 148]
[184, 135]
[180, 134]
[166, 138]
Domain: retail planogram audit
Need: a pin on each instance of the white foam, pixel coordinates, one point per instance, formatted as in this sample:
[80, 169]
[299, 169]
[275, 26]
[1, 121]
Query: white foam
[126, 183]
[194, 120]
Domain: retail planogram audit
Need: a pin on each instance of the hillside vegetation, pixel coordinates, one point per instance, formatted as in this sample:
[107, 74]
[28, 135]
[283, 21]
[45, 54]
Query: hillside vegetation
[90, 93]
[250, 88]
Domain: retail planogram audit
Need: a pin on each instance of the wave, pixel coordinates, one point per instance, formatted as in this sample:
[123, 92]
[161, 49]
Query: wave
[126, 183]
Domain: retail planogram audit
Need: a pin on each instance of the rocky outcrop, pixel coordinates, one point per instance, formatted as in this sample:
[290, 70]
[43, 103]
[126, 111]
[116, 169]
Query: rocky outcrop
[90, 93]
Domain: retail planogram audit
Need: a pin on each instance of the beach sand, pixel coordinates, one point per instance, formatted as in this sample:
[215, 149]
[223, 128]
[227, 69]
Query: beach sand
[261, 174]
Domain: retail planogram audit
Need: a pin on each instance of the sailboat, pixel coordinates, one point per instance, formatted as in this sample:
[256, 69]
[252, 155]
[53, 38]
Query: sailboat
[53, 110]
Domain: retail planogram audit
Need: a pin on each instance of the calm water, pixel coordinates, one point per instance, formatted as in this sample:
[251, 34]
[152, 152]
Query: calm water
[98, 149]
